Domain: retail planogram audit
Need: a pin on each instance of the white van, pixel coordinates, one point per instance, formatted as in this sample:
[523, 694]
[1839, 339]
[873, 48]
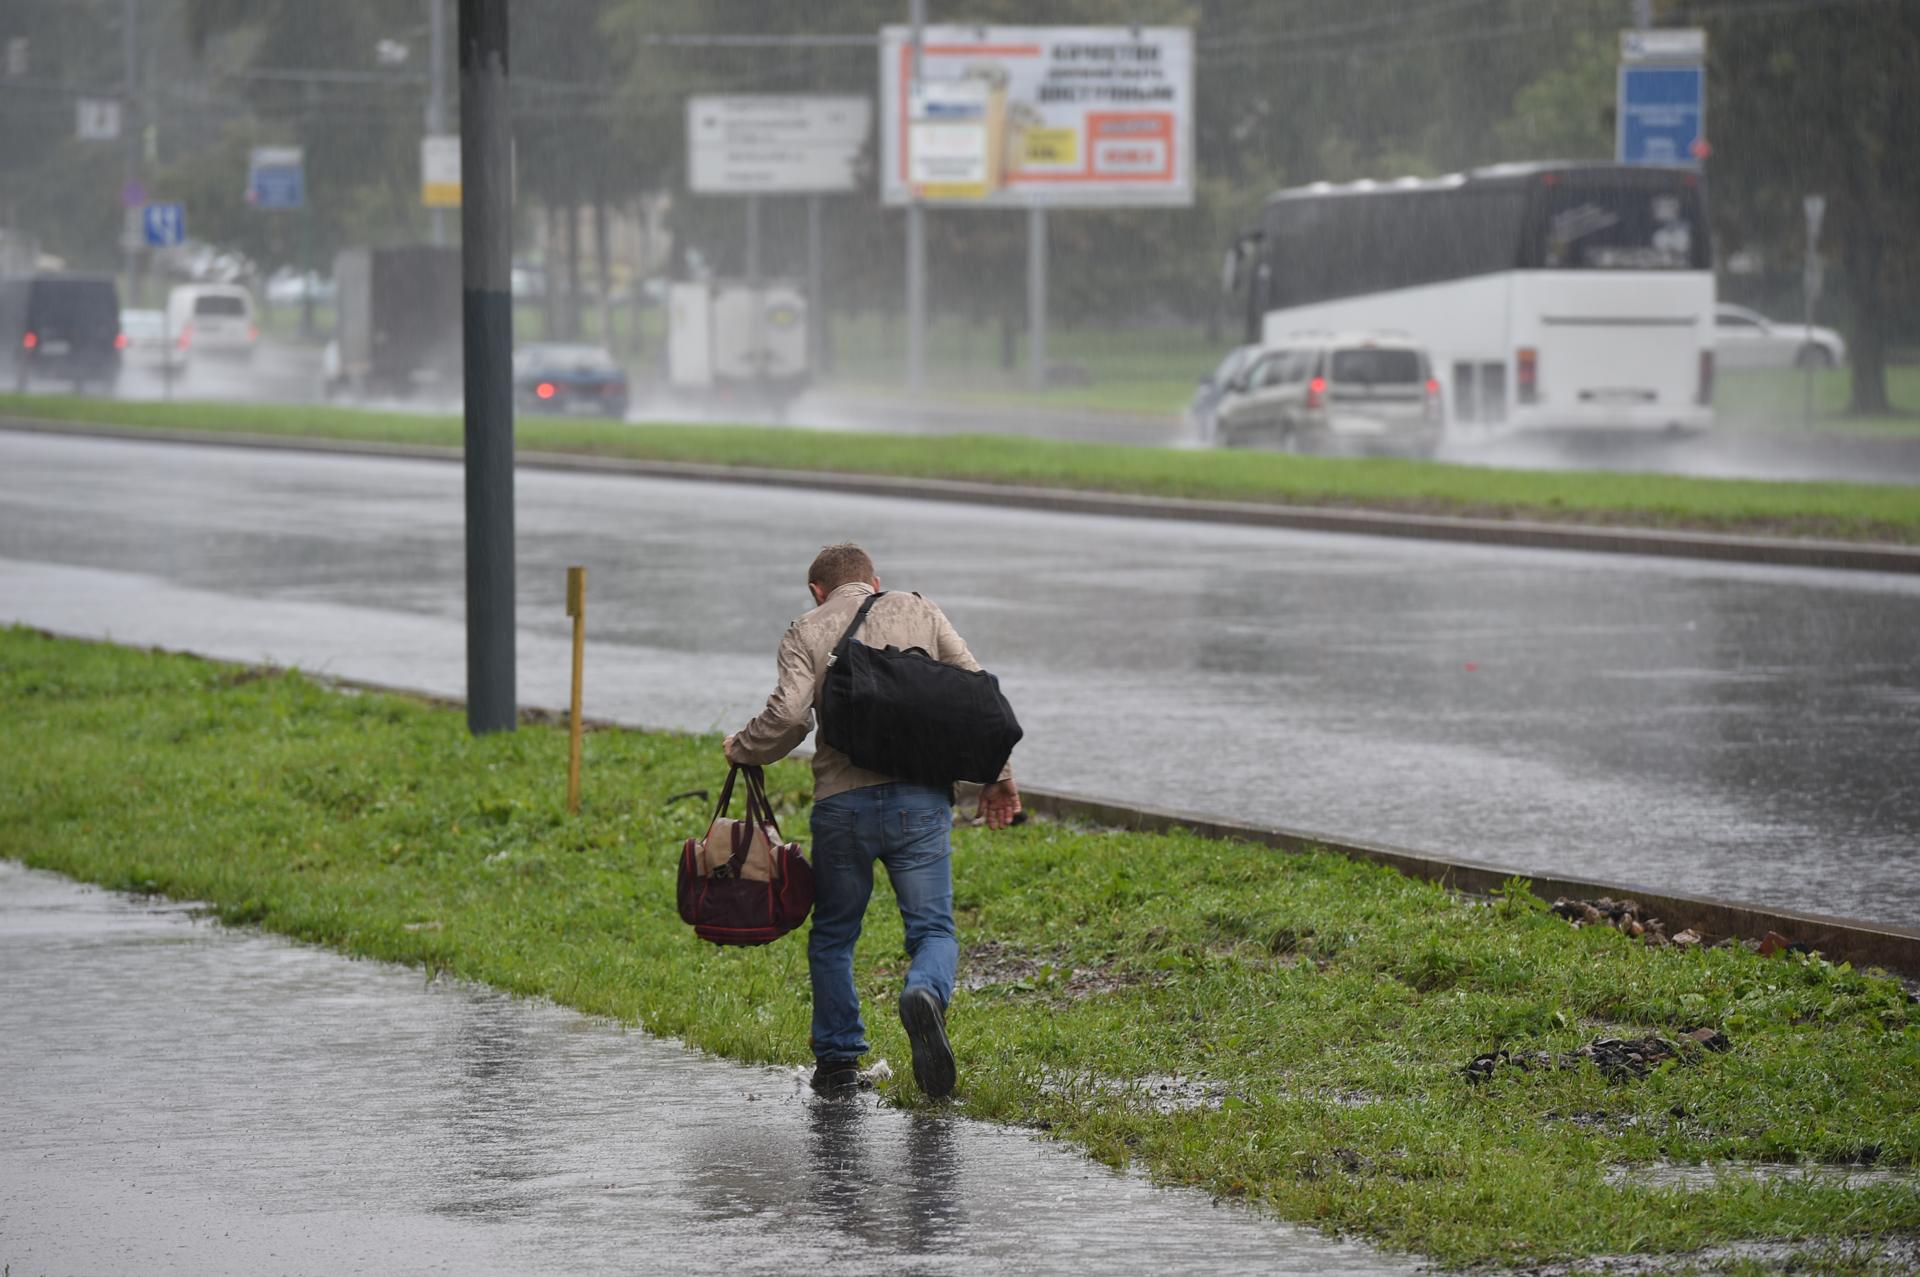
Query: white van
[213, 319]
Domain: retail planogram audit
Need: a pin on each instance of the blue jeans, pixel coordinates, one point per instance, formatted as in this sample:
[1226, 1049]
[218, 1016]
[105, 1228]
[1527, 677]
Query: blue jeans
[907, 828]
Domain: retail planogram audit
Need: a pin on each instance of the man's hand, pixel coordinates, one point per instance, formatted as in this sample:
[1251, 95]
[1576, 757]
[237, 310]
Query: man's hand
[999, 803]
[726, 748]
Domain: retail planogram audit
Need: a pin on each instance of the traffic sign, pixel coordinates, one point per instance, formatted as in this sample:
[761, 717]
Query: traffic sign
[771, 144]
[440, 170]
[165, 224]
[276, 177]
[1663, 98]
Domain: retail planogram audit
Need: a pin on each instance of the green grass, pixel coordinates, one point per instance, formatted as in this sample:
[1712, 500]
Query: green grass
[1775, 399]
[1327, 1004]
[1863, 512]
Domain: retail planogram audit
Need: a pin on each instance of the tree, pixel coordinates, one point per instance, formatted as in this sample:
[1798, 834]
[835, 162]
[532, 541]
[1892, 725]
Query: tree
[1822, 101]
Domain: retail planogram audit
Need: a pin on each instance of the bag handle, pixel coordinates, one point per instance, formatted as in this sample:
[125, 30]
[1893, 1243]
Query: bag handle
[759, 808]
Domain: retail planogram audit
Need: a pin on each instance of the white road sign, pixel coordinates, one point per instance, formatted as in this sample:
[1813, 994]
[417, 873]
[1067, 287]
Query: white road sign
[769, 144]
[440, 170]
[1065, 116]
[97, 119]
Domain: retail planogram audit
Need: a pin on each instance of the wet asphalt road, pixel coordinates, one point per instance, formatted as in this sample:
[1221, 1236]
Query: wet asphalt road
[181, 1098]
[1707, 728]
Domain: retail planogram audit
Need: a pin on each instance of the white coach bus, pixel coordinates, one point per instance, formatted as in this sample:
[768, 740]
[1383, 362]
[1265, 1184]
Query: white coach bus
[1549, 296]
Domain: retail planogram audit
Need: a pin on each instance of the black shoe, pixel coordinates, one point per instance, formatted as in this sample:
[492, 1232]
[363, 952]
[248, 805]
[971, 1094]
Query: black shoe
[836, 1077]
[926, 1023]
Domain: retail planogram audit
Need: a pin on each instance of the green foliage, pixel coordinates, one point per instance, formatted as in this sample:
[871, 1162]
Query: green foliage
[1322, 1007]
[1846, 510]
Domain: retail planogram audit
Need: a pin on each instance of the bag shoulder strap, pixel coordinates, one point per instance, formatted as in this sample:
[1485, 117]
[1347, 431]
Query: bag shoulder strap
[859, 618]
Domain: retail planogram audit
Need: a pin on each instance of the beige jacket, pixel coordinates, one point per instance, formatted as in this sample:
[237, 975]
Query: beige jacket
[898, 620]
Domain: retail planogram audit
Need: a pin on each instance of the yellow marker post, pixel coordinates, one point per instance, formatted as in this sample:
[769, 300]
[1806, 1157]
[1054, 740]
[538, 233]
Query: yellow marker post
[577, 609]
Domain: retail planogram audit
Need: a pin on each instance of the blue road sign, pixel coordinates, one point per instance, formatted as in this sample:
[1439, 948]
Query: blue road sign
[1662, 114]
[165, 224]
[277, 178]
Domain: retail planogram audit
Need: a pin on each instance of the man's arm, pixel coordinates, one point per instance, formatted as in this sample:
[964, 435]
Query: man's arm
[1000, 801]
[779, 728]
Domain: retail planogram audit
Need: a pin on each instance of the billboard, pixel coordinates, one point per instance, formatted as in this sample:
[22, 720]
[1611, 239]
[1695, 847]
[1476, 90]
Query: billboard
[1063, 117]
[768, 144]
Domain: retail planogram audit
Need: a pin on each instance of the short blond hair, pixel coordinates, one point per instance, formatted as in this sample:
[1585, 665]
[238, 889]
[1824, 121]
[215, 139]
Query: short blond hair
[837, 565]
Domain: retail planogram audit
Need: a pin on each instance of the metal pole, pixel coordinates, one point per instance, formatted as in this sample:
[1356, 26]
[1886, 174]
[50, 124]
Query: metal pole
[306, 218]
[577, 609]
[756, 331]
[816, 291]
[486, 249]
[1815, 207]
[437, 101]
[131, 162]
[916, 237]
[1037, 297]
[753, 241]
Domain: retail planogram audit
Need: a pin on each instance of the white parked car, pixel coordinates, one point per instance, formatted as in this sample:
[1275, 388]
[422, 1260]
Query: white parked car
[214, 319]
[1745, 338]
[149, 344]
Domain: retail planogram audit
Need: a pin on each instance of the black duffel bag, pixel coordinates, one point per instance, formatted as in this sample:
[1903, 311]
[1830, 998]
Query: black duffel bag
[903, 712]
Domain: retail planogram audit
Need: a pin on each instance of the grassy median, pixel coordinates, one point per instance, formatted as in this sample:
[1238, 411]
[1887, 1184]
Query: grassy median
[1850, 511]
[1290, 1030]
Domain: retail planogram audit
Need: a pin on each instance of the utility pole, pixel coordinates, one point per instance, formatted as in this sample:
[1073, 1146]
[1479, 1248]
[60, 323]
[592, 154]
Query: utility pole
[1037, 297]
[916, 234]
[486, 304]
[437, 101]
[130, 175]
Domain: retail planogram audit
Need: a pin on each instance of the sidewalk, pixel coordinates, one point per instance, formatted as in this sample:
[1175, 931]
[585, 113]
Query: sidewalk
[187, 1098]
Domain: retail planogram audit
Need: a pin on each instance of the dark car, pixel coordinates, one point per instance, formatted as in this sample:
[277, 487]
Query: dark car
[568, 377]
[61, 327]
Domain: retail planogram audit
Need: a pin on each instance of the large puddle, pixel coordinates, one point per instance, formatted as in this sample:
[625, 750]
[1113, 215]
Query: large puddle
[181, 1097]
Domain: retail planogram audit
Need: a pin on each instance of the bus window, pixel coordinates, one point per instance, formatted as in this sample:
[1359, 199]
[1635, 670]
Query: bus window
[1588, 227]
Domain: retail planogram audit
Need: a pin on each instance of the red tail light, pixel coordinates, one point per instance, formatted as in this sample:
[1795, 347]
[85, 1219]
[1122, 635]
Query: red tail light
[253, 332]
[29, 341]
[1433, 399]
[1526, 373]
[1706, 379]
[186, 336]
[1317, 392]
[544, 390]
[119, 341]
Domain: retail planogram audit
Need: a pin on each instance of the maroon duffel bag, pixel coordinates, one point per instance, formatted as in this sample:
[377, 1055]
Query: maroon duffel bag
[742, 883]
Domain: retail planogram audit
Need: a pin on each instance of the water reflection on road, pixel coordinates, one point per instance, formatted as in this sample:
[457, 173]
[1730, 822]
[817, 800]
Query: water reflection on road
[186, 1099]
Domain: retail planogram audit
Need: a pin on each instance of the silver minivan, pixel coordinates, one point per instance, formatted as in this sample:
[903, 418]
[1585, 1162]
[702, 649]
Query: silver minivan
[1335, 392]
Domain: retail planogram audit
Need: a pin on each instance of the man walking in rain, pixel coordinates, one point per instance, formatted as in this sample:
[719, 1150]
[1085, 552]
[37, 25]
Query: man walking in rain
[861, 816]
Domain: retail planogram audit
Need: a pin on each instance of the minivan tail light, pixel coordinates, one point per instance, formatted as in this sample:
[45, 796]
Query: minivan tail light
[1705, 398]
[1526, 372]
[1433, 399]
[29, 341]
[119, 341]
[1317, 392]
[186, 336]
[253, 332]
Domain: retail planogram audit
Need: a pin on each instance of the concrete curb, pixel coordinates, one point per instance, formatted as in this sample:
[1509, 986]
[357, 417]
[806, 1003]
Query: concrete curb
[1773, 551]
[1841, 939]
[1862, 943]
